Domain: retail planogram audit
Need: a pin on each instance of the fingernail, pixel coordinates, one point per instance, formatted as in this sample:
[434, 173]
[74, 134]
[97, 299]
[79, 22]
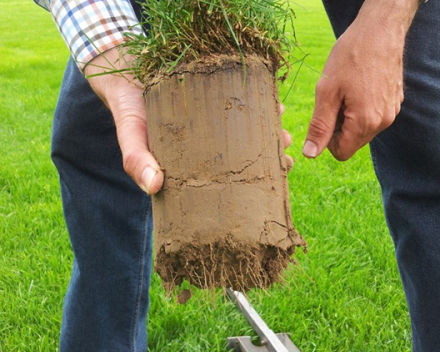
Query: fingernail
[310, 149]
[147, 178]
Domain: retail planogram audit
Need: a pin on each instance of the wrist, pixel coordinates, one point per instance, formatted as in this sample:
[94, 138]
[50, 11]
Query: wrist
[113, 59]
[394, 15]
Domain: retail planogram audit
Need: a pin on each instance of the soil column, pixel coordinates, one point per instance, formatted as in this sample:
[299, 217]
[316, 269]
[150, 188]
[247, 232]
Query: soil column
[223, 216]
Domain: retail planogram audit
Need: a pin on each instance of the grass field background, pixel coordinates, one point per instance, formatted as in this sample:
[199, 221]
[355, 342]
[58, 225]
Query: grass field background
[344, 295]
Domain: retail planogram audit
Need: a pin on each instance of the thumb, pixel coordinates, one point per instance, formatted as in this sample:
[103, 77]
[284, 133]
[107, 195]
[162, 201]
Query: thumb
[131, 127]
[323, 122]
[138, 162]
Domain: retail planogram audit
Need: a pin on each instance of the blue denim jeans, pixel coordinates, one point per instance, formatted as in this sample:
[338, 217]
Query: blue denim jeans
[109, 220]
[406, 158]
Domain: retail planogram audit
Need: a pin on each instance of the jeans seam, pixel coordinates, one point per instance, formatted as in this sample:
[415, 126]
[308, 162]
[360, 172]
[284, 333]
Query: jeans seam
[141, 263]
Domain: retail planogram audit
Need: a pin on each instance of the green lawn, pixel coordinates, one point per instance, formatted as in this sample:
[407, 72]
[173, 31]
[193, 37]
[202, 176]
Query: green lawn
[345, 294]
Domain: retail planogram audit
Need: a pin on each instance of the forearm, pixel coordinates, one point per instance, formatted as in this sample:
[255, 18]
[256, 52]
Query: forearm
[382, 24]
[394, 15]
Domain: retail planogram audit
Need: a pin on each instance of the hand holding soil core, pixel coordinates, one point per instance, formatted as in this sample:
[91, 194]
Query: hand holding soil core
[209, 70]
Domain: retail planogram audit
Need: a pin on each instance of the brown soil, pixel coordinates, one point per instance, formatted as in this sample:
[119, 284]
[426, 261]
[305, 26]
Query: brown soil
[223, 217]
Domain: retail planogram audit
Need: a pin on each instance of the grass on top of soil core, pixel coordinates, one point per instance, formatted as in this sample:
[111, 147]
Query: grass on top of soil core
[184, 31]
[344, 295]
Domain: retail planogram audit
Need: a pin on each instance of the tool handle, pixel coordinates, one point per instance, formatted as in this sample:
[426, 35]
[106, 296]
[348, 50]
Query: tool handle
[273, 343]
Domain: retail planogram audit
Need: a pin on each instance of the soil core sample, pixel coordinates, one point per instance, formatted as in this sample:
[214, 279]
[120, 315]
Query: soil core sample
[223, 216]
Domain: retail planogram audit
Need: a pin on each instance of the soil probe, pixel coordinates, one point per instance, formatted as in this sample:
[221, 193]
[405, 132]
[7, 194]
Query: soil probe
[270, 342]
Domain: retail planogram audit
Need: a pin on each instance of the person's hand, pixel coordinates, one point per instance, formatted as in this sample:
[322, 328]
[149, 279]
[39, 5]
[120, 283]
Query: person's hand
[123, 96]
[361, 89]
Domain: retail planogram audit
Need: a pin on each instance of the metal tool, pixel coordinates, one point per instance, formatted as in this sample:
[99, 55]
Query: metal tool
[270, 342]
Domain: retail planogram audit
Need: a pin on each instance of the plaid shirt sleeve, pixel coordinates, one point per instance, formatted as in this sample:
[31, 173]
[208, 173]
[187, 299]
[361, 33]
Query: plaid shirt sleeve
[90, 27]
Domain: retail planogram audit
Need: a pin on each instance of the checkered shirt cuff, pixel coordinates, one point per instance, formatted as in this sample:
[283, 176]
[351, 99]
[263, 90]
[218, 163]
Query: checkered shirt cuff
[91, 27]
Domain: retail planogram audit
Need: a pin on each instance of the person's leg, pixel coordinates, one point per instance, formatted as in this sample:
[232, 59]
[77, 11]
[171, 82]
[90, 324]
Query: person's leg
[406, 158]
[110, 226]
[407, 163]
[341, 13]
